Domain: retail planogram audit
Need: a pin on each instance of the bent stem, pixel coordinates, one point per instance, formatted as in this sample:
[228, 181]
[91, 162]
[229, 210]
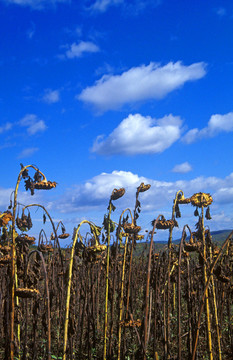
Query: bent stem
[53, 226]
[69, 285]
[106, 287]
[121, 299]
[13, 263]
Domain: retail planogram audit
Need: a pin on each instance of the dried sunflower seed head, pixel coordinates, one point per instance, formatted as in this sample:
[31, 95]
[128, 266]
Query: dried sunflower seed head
[142, 187]
[201, 199]
[45, 185]
[64, 236]
[117, 193]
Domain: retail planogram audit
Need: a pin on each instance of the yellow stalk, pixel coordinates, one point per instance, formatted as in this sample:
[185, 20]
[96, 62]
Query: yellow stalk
[121, 299]
[172, 269]
[207, 295]
[69, 287]
[216, 312]
[174, 296]
[106, 290]
[17, 304]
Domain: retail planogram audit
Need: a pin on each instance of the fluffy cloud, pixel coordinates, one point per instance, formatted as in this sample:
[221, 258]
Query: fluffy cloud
[27, 152]
[139, 84]
[93, 196]
[5, 198]
[36, 4]
[77, 50]
[24, 197]
[33, 124]
[51, 96]
[140, 135]
[217, 124]
[5, 127]
[182, 168]
[97, 191]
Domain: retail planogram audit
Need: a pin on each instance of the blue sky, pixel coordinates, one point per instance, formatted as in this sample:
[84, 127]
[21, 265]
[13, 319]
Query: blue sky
[109, 93]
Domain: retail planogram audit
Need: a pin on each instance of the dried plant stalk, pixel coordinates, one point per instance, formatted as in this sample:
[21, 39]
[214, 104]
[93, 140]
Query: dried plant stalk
[69, 288]
[121, 299]
[205, 292]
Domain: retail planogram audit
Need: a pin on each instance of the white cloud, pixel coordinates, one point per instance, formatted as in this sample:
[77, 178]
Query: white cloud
[182, 168]
[24, 197]
[33, 124]
[103, 5]
[139, 84]
[132, 7]
[222, 221]
[5, 198]
[77, 50]
[90, 199]
[217, 124]
[140, 135]
[5, 127]
[35, 4]
[51, 96]
[96, 191]
[94, 194]
[27, 152]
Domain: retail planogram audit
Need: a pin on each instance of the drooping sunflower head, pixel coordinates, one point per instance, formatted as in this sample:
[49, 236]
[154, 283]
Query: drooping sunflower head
[142, 187]
[201, 199]
[45, 185]
[117, 193]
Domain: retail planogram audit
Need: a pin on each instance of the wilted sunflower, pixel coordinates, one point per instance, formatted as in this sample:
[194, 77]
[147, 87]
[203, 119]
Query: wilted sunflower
[94, 253]
[191, 247]
[24, 223]
[45, 185]
[96, 248]
[25, 238]
[201, 199]
[64, 236]
[5, 217]
[183, 200]
[142, 187]
[117, 193]
[131, 228]
[45, 248]
[164, 224]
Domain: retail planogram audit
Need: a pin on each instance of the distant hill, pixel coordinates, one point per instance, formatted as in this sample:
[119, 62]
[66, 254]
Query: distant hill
[218, 237]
